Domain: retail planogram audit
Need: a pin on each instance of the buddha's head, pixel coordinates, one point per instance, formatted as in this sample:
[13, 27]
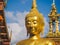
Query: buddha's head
[34, 24]
[34, 21]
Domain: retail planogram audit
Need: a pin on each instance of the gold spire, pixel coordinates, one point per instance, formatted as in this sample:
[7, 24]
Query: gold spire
[53, 11]
[34, 4]
[53, 20]
[34, 10]
[53, 5]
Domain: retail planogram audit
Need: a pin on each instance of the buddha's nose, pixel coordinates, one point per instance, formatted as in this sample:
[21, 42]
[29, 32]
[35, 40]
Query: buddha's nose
[31, 26]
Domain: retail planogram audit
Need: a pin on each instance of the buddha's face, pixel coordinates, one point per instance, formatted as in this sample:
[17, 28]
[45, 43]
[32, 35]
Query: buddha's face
[33, 25]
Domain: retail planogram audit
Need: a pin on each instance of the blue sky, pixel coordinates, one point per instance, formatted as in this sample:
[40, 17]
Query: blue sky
[21, 5]
[25, 5]
[16, 10]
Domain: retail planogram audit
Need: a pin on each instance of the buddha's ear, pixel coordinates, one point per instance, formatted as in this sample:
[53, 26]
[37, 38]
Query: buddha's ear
[27, 33]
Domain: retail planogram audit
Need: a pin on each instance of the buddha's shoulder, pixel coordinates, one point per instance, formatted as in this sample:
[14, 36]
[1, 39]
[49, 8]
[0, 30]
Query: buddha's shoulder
[40, 41]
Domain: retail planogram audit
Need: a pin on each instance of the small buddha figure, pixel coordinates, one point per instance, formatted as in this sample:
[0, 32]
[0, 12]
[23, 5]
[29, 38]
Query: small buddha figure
[34, 23]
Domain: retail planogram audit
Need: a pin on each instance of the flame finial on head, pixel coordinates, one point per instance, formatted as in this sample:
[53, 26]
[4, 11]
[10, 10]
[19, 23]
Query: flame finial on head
[34, 4]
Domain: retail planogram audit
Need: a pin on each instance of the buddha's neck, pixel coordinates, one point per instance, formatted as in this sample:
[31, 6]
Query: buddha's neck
[34, 37]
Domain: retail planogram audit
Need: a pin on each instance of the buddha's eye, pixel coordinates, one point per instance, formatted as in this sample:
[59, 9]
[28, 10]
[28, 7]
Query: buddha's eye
[35, 22]
[28, 22]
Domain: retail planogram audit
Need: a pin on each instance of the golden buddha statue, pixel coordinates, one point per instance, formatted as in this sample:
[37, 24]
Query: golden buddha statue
[34, 22]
